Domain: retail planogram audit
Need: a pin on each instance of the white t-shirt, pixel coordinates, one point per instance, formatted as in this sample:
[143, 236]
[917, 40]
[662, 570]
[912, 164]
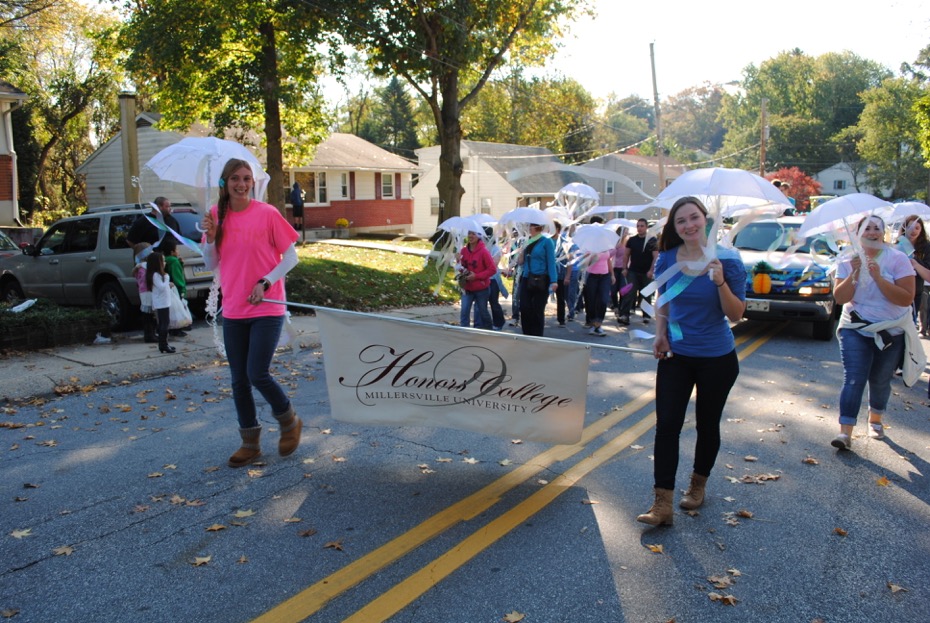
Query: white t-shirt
[868, 300]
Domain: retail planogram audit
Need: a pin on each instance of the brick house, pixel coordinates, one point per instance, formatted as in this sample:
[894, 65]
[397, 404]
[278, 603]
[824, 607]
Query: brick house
[10, 99]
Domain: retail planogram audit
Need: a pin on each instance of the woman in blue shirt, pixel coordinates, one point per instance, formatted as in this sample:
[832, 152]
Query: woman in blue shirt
[695, 347]
[539, 278]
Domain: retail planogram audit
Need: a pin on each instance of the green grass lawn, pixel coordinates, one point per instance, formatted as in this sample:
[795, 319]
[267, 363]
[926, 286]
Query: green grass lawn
[361, 279]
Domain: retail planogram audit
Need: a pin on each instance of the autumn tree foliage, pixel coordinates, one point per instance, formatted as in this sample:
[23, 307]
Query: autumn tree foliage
[802, 186]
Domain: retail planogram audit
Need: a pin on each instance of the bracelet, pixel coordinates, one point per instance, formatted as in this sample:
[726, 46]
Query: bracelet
[722, 284]
[265, 283]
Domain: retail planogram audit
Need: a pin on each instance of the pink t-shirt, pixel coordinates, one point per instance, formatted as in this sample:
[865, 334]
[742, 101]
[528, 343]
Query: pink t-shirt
[599, 265]
[253, 242]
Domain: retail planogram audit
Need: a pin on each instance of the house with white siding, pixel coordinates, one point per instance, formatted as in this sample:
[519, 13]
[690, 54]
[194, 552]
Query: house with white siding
[844, 178]
[641, 174]
[497, 177]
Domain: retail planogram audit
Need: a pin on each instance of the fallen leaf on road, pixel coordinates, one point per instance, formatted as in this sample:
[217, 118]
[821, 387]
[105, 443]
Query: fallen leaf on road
[216, 527]
[655, 549]
[9, 614]
[195, 503]
[29, 485]
[840, 531]
[505, 462]
[242, 560]
[470, 460]
[443, 460]
[244, 513]
[726, 600]
[18, 534]
[735, 572]
[177, 499]
[810, 460]
[516, 441]
[883, 482]
[514, 617]
[720, 581]
[895, 588]
[64, 550]
[589, 502]
[292, 520]
[307, 532]
[750, 459]
[200, 561]
[155, 475]
[336, 545]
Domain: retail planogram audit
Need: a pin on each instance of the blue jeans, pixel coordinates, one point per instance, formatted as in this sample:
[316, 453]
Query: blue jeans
[572, 294]
[478, 298]
[862, 362]
[250, 346]
[597, 289]
[494, 301]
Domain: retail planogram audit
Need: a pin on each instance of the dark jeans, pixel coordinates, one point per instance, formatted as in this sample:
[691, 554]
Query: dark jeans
[532, 309]
[619, 282]
[561, 294]
[675, 380]
[163, 317]
[639, 281]
[597, 290]
[250, 346]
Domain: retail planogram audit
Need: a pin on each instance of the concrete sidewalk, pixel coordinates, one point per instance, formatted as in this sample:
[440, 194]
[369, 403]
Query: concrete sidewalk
[42, 373]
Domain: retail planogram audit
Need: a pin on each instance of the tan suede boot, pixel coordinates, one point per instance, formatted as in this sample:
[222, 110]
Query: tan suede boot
[290, 431]
[661, 513]
[250, 450]
[694, 496]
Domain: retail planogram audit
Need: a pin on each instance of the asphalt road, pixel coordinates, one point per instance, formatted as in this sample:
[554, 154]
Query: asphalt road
[116, 505]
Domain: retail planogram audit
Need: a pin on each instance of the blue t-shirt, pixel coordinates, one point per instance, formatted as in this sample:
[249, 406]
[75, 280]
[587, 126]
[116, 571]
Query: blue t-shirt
[697, 326]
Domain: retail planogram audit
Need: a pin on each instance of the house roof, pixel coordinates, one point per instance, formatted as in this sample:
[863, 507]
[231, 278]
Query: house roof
[650, 163]
[9, 92]
[505, 157]
[344, 152]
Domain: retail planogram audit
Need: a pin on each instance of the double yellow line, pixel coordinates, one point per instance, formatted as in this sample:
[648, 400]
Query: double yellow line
[314, 598]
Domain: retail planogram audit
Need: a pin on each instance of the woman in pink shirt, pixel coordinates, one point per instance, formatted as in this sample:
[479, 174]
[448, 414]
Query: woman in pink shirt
[597, 288]
[252, 247]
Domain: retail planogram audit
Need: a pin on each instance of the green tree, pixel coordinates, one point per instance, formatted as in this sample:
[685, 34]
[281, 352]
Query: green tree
[17, 10]
[689, 119]
[890, 141]
[807, 100]
[447, 51]
[391, 123]
[64, 59]
[243, 64]
[625, 122]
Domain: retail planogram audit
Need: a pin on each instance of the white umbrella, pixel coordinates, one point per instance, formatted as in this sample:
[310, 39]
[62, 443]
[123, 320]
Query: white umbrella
[621, 222]
[526, 215]
[718, 188]
[560, 214]
[901, 211]
[483, 219]
[198, 163]
[595, 238]
[577, 199]
[841, 212]
[624, 209]
[461, 225]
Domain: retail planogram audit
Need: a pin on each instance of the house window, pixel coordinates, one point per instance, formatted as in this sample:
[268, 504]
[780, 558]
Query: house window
[321, 186]
[839, 184]
[434, 206]
[344, 185]
[485, 205]
[609, 187]
[387, 185]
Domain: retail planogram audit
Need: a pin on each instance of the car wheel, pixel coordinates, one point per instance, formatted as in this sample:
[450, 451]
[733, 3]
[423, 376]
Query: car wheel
[111, 300]
[824, 330]
[11, 293]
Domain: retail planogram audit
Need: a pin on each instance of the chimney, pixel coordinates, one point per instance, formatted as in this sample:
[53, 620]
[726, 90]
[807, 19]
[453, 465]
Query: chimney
[127, 120]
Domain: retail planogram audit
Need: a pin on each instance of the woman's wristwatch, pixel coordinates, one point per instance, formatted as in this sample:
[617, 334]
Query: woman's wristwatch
[265, 283]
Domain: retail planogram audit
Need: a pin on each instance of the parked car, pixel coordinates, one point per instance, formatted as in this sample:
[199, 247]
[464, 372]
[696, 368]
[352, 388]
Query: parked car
[7, 246]
[783, 286]
[85, 260]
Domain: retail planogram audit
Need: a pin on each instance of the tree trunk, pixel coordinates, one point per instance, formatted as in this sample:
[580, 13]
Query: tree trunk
[269, 86]
[450, 156]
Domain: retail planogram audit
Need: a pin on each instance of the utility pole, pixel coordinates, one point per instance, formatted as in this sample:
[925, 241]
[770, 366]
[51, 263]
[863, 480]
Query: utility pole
[655, 99]
[763, 139]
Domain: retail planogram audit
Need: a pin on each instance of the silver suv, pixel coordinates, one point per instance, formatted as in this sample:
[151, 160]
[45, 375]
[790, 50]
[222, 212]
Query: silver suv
[85, 260]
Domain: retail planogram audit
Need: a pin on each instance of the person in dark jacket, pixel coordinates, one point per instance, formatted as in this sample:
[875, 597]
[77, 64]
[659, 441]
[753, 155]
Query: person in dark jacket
[143, 231]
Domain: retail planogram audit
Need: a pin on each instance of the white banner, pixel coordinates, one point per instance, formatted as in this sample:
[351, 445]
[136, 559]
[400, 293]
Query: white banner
[399, 373]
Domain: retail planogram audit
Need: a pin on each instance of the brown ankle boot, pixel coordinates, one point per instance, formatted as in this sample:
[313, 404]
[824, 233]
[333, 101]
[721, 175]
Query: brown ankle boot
[661, 513]
[290, 431]
[250, 450]
[694, 496]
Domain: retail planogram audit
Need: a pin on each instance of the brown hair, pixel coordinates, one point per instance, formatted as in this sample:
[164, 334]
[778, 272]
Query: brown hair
[670, 238]
[222, 203]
